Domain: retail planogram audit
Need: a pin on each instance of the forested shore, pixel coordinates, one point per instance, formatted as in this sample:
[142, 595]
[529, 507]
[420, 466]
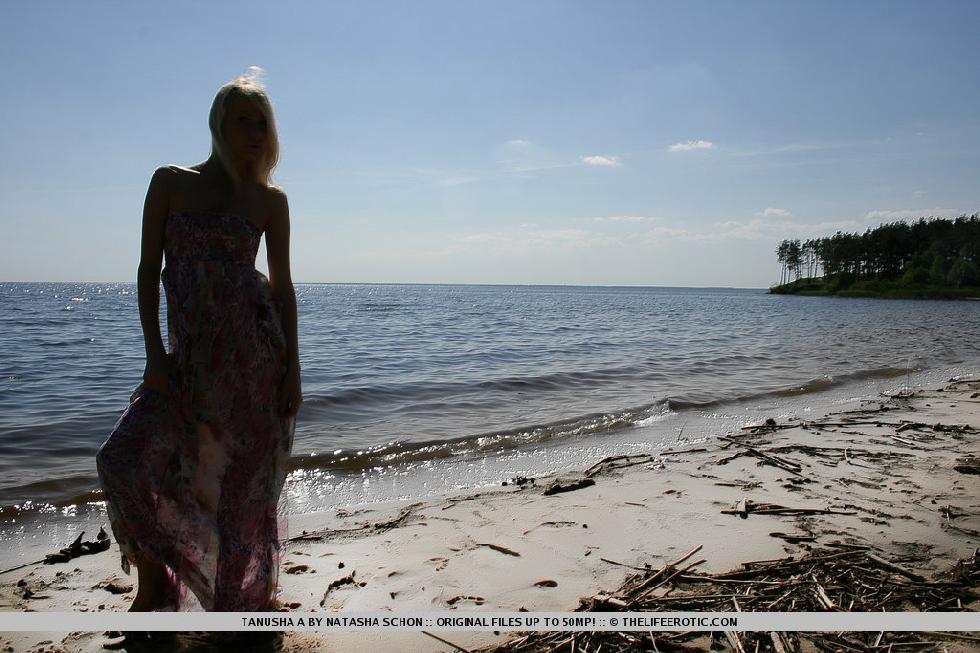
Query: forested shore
[926, 258]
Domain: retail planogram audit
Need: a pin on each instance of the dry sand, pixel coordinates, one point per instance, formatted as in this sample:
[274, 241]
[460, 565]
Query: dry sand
[892, 465]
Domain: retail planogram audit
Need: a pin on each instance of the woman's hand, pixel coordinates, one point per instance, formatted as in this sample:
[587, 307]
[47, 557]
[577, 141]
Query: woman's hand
[157, 374]
[290, 392]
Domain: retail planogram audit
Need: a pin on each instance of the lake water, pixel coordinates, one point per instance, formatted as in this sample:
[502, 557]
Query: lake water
[412, 389]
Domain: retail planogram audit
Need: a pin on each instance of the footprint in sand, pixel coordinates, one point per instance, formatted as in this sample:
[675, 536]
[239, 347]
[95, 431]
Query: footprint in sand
[440, 562]
[478, 600]
[293, 568]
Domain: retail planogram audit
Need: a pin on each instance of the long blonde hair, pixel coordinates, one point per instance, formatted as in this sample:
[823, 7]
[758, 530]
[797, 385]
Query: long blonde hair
[247, 85]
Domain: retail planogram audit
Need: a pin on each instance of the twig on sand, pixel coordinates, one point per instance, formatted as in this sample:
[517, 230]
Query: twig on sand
[26, 564]
[890, 566]
[606, 462]
[446, 642]
[364, 528]
[623, 564]
[500, 549]
[791, 467]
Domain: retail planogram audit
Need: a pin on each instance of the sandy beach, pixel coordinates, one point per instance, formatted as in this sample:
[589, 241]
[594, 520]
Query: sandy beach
[897, 476]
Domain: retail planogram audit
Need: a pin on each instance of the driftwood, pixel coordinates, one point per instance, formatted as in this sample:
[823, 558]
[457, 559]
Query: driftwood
[744, 507]
[80, 548]
[968, 465]
[73, 550]
[884, 564]
[826, 579]
[559, 485]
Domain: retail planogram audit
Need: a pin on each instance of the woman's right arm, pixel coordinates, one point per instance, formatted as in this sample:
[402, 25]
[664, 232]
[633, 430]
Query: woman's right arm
[155, 209]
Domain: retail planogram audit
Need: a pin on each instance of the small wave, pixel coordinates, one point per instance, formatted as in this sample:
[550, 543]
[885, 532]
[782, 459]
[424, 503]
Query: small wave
[379, 307]
[827, 382]
[48, 494]
[79, 489]
[820, 384]
[394, 453]
[426, 390]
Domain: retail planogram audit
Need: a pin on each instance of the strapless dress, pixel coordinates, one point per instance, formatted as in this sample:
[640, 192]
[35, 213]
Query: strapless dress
[193, 479]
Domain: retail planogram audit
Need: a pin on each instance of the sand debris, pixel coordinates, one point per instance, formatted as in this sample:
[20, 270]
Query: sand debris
[500, 549]
[823, 579]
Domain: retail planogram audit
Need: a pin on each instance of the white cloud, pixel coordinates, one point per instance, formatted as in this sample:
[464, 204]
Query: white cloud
[772, 224]
[634, 219]
[692, 145]
[528, 238]
[912, 214]
[599, 160]
[663, 234]
[755, 229]
[918, 193]
[520, 142]
[773, 211]
[767, 229]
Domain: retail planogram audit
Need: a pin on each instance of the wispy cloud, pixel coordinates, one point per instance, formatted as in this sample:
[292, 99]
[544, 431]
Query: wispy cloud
[519, 142]
[659, 235]
[773, 211]
[912, 214]
[692, 145]
[459, 180]
[529, 238]
[631, 219]
[600, 160]
[759, 228]
[768, 229]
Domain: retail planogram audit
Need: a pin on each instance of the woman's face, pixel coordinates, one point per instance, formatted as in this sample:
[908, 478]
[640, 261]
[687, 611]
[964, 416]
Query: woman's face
[244, 128]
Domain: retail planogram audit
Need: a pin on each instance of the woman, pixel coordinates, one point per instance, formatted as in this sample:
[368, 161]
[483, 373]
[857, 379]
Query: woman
[193, 471]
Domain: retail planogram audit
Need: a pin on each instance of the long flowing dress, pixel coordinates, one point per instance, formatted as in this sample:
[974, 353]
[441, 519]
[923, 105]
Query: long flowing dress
[193, 479]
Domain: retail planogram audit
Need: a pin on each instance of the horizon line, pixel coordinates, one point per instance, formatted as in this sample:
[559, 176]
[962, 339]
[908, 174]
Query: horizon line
[422, 283]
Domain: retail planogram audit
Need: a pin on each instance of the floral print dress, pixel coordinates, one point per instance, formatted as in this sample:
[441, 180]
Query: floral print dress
[193, 479]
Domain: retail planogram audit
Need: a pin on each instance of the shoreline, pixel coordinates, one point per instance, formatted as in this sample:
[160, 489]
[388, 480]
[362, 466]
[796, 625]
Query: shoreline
[874, 289]
[885, 469]
[314, 488]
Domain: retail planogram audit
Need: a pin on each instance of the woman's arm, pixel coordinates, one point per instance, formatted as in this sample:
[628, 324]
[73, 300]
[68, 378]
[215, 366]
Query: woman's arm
[155, 209]
[280, 279]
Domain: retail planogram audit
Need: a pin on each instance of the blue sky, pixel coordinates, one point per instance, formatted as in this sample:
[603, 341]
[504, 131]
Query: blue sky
[625, 143]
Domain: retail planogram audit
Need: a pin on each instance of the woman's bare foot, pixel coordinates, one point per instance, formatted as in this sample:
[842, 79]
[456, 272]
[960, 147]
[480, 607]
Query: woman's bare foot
[154, 591]
[149, 602]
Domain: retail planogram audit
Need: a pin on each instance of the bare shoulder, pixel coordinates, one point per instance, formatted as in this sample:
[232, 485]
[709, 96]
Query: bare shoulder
[278, 205]
[165, 174]
[159, 193]
[178, 174]
[171, 177]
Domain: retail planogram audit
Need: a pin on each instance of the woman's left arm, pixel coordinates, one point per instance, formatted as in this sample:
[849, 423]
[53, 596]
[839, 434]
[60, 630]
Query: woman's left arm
[280, 279]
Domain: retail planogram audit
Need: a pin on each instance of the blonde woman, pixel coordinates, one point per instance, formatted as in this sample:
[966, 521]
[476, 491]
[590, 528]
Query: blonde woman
[193, 471]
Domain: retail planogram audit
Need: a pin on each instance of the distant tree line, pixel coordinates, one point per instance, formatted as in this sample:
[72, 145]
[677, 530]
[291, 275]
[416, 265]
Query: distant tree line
[937, 251]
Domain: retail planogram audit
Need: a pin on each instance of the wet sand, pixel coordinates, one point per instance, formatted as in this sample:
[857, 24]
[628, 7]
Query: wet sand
[899, 475]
